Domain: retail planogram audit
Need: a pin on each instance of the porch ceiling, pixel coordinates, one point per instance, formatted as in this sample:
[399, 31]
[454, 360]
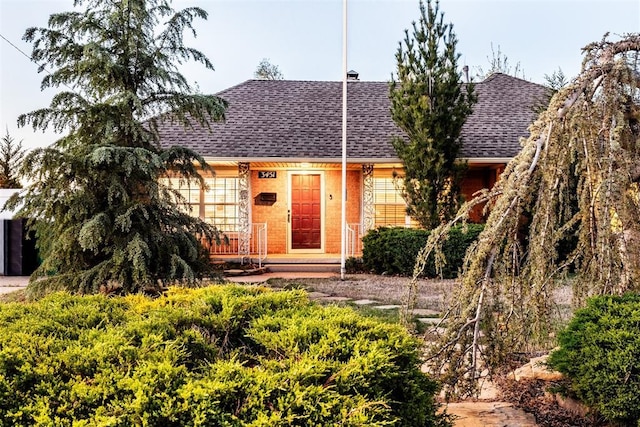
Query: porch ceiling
[291, 165]
[302, 165]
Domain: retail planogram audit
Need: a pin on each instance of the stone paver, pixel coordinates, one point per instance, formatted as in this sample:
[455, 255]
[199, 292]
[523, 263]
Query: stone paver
[365, 302]
[489, 414]
[536, 369]
[488, 389]
[429, 320]
[387, 307]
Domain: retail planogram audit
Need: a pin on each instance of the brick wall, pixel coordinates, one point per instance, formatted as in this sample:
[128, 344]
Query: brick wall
[333, 215]
[275, 215]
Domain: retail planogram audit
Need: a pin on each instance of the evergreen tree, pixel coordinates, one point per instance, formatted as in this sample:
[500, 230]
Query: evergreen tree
[11, 155]
[430, 103]
[556, 80]
[102, 216]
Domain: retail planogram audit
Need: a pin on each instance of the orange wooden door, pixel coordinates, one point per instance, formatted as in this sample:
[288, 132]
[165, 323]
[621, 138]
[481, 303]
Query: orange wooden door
[306, 218]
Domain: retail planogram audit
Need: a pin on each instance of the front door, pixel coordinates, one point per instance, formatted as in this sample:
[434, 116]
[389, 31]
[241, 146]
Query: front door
[306, 212]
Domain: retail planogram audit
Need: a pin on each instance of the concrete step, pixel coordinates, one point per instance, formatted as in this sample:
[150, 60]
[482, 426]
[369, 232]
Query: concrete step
[298, 267]
[300, 260]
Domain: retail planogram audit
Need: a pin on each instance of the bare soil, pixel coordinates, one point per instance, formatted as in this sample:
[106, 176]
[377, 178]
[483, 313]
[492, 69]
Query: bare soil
[386, 289]
[432, 293]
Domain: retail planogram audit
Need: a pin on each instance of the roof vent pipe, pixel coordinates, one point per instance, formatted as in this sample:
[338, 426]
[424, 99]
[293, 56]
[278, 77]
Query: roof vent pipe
[465, 70]
[352, 75]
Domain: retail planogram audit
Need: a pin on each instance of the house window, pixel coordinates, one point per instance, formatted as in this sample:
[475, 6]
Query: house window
[190, 192]
[390, 207]
[217, 204]
[220, 203]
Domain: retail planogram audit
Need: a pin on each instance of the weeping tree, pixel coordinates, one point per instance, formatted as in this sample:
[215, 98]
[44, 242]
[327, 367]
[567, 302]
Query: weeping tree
[566, 209]
[103, 218]
[430, 104]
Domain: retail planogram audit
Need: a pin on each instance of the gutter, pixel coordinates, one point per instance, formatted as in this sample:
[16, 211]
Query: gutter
[352, 160]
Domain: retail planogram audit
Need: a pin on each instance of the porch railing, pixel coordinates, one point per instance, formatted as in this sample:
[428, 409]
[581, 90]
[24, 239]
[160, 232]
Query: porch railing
[354, 240]
[231, 244]
[258, 243]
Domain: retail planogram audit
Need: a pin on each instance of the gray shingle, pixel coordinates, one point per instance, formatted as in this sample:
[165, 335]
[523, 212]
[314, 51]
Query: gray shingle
[283, 119]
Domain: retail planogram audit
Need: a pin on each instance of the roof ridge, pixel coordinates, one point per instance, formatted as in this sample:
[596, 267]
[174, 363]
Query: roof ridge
[314, 81]
[498, 74]
[488, 79]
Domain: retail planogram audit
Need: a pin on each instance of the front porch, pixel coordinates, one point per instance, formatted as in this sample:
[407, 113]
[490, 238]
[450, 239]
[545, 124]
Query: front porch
[293, 210]
[251, 246]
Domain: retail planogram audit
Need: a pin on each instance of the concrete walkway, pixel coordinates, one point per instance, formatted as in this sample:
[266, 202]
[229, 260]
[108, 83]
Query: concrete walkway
[12, 283]
[19, 281]
[259, 278]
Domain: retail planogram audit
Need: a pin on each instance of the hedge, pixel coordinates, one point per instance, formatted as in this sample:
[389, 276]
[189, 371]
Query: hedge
[393, 250]
[215, 356]
[600, 354]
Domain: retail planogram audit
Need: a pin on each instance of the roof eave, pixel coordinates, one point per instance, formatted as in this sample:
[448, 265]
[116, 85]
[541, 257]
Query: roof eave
[300, 159]
[496, 160]
[351, 160]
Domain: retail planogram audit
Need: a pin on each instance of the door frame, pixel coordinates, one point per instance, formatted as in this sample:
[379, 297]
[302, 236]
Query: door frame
[322, 212]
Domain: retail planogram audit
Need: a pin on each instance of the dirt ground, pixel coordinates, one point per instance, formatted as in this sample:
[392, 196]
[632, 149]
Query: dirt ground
[432, 293]
[387, 289]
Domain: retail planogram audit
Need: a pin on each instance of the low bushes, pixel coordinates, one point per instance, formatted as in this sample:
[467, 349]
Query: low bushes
[216, 356]
[600, 354]
[394, 250]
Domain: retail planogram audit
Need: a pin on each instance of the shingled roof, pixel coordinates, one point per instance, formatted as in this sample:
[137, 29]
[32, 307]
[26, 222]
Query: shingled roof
[289, 120]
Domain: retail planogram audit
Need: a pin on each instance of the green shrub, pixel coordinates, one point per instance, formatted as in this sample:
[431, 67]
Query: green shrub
[354, 265]
[215, 356]
[600, 354]
[393, 250]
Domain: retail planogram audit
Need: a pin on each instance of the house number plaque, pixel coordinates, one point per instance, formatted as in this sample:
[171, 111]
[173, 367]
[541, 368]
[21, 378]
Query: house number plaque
[267, 174]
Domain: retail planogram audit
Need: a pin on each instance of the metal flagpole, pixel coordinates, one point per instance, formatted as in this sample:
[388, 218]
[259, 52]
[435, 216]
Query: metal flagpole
[343, 240]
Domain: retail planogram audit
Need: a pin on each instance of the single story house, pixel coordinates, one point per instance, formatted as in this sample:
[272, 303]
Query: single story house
[276, 191]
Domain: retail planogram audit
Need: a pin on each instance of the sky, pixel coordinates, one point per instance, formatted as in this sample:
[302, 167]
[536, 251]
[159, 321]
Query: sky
[304, 39]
